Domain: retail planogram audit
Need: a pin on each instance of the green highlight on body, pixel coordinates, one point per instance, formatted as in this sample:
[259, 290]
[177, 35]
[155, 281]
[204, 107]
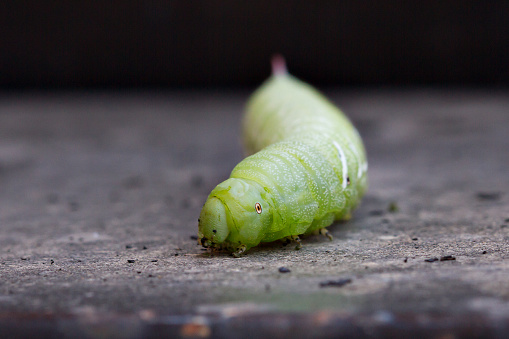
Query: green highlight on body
[307, 168]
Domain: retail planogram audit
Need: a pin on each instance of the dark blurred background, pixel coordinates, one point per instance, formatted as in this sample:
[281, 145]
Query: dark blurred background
[183, 43]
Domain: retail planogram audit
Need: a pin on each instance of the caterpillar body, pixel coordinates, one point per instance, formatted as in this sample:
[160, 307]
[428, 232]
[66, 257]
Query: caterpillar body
[308, 168]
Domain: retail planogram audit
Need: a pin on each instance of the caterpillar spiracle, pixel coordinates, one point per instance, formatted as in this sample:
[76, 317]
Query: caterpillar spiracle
[308, 168]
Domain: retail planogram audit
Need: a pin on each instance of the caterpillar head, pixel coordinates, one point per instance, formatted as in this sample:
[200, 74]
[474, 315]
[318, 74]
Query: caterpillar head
[235, 215]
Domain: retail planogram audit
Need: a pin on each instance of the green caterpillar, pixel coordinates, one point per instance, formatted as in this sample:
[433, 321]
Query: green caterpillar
[308, 168]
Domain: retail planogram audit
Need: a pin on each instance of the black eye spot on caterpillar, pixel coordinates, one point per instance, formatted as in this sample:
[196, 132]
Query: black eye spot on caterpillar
[258, 208]
[304, 152]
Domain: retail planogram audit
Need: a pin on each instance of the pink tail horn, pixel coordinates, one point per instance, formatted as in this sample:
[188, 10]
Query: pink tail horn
[278, 65]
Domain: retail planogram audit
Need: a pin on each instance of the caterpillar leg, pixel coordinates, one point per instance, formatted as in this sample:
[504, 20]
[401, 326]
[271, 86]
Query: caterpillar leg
[286, 241]
[241, 249]
[324, 231]
[295, 238]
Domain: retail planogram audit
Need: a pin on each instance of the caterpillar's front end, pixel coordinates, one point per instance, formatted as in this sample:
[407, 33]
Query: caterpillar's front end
[213, 224]
[235, 217]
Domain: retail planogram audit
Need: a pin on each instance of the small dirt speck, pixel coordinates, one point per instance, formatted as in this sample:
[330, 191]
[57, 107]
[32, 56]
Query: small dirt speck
[131, 261]
[405, 260]
[335, 283]
[128, 246]
[447, 258]
[155, 260]
[431, 260]
[284, 270]
[484, 252]
[486, 196]
[376, 213]
[194, 237]
[415, 239]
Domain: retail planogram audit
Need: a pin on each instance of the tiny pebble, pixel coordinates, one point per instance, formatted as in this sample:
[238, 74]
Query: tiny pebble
[335, 283]
[284, 270]
[488, 195]
[431, 260]
[130, 261]
[447, 257]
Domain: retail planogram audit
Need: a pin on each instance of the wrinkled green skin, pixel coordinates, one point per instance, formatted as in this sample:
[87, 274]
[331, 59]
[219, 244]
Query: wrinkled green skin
[299, 142]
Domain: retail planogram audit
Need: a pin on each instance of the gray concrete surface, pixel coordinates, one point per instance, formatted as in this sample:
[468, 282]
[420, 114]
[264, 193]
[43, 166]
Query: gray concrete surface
[100, 195]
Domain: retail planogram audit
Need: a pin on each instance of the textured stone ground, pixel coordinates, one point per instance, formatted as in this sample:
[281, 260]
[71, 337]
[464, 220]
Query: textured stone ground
[100, 195]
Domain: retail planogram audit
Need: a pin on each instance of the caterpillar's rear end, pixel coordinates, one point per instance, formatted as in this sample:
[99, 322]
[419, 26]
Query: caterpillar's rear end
[308, 168]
